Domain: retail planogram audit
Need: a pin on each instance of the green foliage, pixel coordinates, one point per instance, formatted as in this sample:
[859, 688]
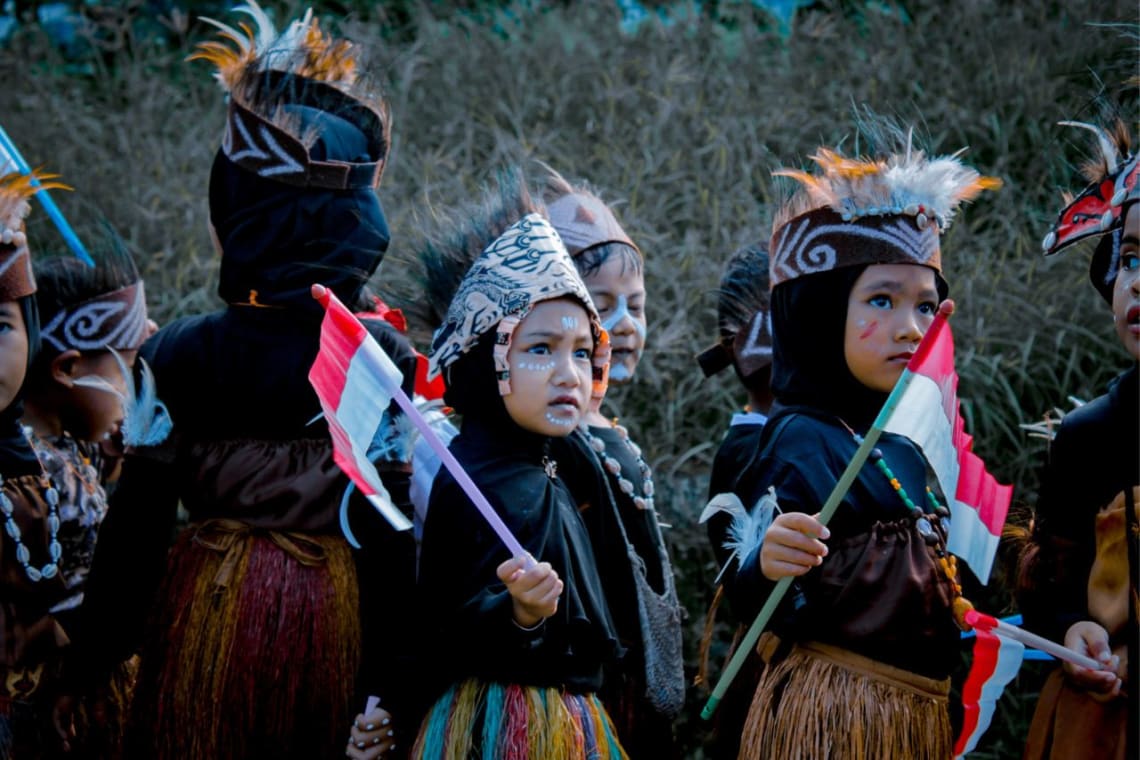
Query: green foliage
[681, 125]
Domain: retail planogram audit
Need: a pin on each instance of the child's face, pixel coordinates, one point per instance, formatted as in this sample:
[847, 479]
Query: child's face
[1126, 291]
[890, 308]
[618, 291]
[13, 352]
[96, 413]
[551, 370]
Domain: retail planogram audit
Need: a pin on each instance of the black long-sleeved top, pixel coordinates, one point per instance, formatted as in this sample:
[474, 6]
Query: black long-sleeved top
[466, 611]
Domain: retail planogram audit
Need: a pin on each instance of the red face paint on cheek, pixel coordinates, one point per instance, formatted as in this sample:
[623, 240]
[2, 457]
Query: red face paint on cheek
[869, 331]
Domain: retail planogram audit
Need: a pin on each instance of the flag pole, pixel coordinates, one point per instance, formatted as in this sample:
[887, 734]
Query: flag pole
[9, 152]
[825, 515]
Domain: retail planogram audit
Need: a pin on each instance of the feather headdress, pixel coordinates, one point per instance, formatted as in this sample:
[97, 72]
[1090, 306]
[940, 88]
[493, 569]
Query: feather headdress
[1100, 208]
[870, 210]
[16, 191]
[268, 75]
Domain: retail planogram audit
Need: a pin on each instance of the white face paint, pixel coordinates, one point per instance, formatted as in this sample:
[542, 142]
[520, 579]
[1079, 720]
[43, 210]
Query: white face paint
[569, 323]
[561, 422]
[533, 366]
[621, 309]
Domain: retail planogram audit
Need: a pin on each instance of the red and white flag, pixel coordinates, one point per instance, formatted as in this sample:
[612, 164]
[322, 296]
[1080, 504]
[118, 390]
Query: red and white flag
[996, 662]
[355, 380]
[928, 414]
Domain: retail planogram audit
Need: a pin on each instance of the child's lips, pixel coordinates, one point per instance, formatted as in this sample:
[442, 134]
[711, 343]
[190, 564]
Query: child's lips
[565, 404]
[1132, 316]
[903, 358]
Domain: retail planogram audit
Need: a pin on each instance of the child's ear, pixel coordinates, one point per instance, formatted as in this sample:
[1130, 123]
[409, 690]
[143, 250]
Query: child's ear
[64, 366]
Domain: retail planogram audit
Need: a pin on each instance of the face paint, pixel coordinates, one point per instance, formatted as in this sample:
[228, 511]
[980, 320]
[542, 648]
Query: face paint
[561, 422]
[535, 366]
[569, 323]
[869, 331]
[621, 309]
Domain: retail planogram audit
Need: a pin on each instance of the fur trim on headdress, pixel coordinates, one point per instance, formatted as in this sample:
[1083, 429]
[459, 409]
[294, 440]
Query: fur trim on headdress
[901, 184]
[861, 211]
[16, 191]
[264, 71]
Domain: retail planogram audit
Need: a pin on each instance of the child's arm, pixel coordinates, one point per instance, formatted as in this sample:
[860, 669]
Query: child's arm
[534, 590]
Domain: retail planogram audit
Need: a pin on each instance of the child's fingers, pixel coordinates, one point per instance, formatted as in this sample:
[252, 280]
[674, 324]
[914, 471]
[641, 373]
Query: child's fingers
[529, 580]
[792, 556]
[802, 522]
[783, 536]
[509, 570]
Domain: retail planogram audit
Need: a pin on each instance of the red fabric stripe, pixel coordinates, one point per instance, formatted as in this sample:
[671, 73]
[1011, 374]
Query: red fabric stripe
[986, 649]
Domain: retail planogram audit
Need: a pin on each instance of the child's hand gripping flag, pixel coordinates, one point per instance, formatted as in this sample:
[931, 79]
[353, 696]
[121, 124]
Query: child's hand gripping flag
[927, 413]
[354, 378]
[356, 381]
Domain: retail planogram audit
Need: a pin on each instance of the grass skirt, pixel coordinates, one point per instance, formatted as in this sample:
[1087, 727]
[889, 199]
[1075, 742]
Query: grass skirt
[253, 651]
[823, 701]
[491, 721]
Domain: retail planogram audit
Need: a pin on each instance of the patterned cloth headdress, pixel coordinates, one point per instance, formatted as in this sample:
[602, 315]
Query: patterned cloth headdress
[492, 273]
[888, 210]
[16, 190]
[582, 219]
[92, 308]
[1100, 208]
[268, 76]
[743, 317]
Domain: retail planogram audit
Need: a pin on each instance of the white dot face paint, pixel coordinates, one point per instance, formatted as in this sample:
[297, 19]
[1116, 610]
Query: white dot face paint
[534, 366]
[563, 422]
[569, 323]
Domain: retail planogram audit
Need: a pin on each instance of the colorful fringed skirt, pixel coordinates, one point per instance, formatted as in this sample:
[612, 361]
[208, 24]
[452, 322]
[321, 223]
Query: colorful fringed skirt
[824, 701]
[491, 721]
[254, 649]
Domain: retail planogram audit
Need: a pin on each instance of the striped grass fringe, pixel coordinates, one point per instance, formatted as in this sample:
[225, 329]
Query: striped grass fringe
[822, 701]
[491, 721]
[262, 666]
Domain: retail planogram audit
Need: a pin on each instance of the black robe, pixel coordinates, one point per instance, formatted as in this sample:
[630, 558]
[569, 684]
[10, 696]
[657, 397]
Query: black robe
[466, 611]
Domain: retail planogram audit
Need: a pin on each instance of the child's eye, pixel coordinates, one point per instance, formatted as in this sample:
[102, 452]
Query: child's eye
[880, 302]
[1129, 262]
[583, 353]
[541, 349]
[927, 308]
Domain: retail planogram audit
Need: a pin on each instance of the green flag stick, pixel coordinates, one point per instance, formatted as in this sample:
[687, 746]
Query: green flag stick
[829, 507]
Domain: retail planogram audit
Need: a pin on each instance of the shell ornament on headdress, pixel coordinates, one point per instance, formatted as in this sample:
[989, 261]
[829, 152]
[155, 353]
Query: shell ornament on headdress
[263, 72]
[16, 191]
[1099, 208]
[870, 211]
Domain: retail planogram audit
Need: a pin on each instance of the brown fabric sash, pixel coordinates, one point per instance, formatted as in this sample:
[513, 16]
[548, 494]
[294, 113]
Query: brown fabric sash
[231, 537]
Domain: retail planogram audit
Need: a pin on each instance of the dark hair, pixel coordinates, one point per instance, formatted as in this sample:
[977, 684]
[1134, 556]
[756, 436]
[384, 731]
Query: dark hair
[594, 258]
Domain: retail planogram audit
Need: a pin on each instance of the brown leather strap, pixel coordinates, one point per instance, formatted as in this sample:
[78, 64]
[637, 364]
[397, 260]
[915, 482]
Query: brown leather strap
[231, 537]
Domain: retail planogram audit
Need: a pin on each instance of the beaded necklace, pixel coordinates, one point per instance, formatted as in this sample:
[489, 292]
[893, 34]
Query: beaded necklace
[932, 527]
[644, 500]
[55, 550]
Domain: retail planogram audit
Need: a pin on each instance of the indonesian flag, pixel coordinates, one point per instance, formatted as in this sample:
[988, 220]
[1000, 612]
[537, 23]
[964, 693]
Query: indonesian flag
[996, 662]
[355, 382]
[928, 414]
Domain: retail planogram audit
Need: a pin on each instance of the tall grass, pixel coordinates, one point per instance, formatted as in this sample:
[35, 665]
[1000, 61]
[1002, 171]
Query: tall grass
[681, 125]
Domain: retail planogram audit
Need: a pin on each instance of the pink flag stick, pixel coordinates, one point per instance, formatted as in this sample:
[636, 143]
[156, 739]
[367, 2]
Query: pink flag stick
[381, 367]
[986, 622]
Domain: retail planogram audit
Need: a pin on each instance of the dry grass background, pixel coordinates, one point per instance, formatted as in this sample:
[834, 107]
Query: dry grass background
[681, 126]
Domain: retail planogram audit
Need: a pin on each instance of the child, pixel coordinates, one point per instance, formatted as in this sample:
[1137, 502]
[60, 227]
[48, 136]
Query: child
[253, 647]
[613, 486]
[32, 553]
[94, 320]
[513, 646]
[1078, 575]
[745, 344]
[866, 645]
